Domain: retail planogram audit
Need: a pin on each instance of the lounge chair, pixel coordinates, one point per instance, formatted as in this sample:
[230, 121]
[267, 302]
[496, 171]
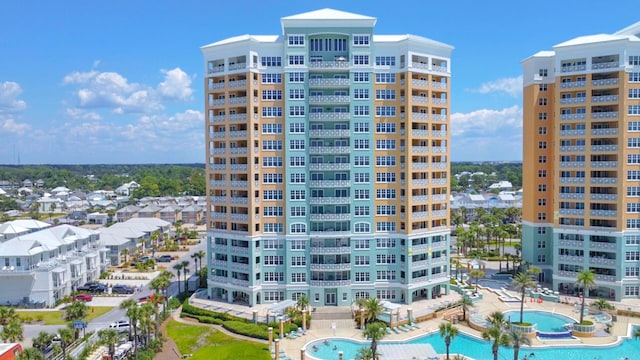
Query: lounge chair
[415, 325]
[395, 330]
[388, 330]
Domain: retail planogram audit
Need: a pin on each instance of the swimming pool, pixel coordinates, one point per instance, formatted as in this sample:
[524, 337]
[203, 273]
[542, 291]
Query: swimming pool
[546, 321]
[479, 349]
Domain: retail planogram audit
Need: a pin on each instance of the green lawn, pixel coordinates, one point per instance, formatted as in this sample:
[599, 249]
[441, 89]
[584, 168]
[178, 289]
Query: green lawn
[57, 317]
[206, 343]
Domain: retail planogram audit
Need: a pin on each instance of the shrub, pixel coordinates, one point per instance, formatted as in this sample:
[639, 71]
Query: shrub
[258, 331]
[586, 322]
[521, 323]
[173, 303]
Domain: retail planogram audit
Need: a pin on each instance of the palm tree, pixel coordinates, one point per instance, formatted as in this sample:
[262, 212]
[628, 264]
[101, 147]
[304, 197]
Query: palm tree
[517, 338]
[602, 305]
[66, 339]
[586, 279]
[466, 304]
[476, 274]
[185, 271]
[455, 262]
[522, 282]
[13, 331]
[146, 321]
[160, 284]
[448, 332]
[6, 314]
[41, 341]
[133, 313]
[178, 269]
[109, 338]
[124, 253]
[372, 309]
[30, 354]
[77, 310]
[375, 331]
[364, 353]
[197, 258]
[303, 302]
[496, 333]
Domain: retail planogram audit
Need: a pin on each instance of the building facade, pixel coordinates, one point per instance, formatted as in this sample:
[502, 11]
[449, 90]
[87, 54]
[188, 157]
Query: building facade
[582, 163]
[327, 154]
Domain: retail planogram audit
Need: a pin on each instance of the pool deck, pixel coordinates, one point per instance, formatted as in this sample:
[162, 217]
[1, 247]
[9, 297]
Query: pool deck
[490, 303]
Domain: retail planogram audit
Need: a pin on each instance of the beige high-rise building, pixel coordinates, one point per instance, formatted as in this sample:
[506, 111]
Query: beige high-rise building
[582, 163]
[327, 154]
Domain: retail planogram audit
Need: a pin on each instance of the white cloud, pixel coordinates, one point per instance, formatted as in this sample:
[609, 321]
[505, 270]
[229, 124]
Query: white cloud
[10, 126]
[176, 85]
[9, 102]
[486, 121]
[511, 86]
[81, 114]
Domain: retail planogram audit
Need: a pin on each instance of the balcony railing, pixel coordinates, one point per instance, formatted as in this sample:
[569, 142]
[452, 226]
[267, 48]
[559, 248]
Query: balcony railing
[571, 164]
[319, 150]
[329, 283]
[576, 100]
[420, 198]
[609, 131]
[572, 180]
[238, 100]
[604, 164]
[606, 197]
[330, 183]
[571, 259]
[329, 200]
[420, 99]
[439, 149]
[322, 250]
[439, 181]
[329, 217]
[605, 65]
[603, 213]
[573, 68]
[604, 115]
[216, 102]
[419, 133]
[602, 245]
[604, 98]
[438, 117]
[604, 82]
[328, 65]
[573, 116]
[237, 83]
[419, 116]
[572, 132]
[238, 117]
[419, 166]
[573, 84]
[571, 243]
[420, 214]
[329, 133]
[329, 166]
[578, 212]
[439, 101]
[329, 99]
[438, 133]
[571, 195]
[604, 180]
[420, 149]
[237, 66]
[419, 83]
[330, 267]
[572, 148]
[438, 85]
[328, 82]
[238, 134]
[439, 213]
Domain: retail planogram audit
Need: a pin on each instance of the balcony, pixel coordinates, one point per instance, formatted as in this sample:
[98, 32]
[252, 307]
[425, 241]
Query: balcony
[240, 217]
[438, 197]
[238, 134]
[609, 131]
[572, 132]
[605, 65]
[608, 278]
[438, 85]
[571, 259]
[420, 215]
[240, 184]
[239, 167]
[606, 197]
[603, 213]
[419, 133]
[439, 181]
[439, 149]
[438, 213]
[420, 99]
[218, 199]
[330, 183]
[216, 118]
[604, 148]
[439, 165]
[419, 116]
[237, 66]
[605, 82]
[576, 100]
[573, 68]
[329, 283]
[218, 279]
[438, 117]
[571, 164]
[420, 149]
[574, 212]
[216, 102]
[332, 133]
[438, 133]
[603, 180]
[329, 166]
[217, 69]
[243, 283]
[419, 264]
[320, 150]
[238, 100]
[329, 217]
[218, 216]
[329, 99]
[240, 250]
[573, 84]
[217, 135]
[239, 151]
[419, 83]
[238, 117]
[602, 245]
[571, 195]
[570, 180]
[329, 200]
[330, 267]
[337, 250]
[572, 148]
[604, 164]
[329, 116]
[571, 243]
[329, 65]
[419, 182]
[420, 198]
[604, 98]
[219, 248]
[239, 200]
[580, 116]
[605, 115]
[419, 166]
[330, 83]
[217, 183]
[237, 83]
[439, 101]
[218, 167]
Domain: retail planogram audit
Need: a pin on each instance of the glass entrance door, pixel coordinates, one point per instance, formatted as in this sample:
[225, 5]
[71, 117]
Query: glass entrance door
[331, 299]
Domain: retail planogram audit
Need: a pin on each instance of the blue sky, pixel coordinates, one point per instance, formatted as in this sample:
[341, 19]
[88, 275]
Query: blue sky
[84, 82]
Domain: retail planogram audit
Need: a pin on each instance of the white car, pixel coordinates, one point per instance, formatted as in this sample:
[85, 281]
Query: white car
[121, 326]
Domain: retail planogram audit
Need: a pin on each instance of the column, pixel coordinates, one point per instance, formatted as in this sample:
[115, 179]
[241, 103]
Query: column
[304, 319]
[281, 328]
[362, 319]
[410, 315]
[302, 353]
[255, 316]
[391, 319]
[398, 316]
[270, 329]
[276, 356]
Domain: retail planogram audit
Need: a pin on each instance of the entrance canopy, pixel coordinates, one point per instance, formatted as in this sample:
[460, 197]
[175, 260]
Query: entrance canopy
[390, 307]
[278, 308]
[406, 351]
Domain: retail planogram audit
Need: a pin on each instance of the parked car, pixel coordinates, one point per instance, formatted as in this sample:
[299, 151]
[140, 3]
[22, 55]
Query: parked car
[141, 260]
[120, 326]
[122, 289]
[83, 297]
[93, 287]
[164, 258]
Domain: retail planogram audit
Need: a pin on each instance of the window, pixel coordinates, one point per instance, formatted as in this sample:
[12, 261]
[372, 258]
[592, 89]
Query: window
[542, 173]
[543, 72]
[385, 111]
[271, 61]
[541, 230]
[634, 110]
[272, 211]
[298, 211]
[633, 207]
[360, 77]
[386, 94]
[542, 87]
[360, 40]
[296, 77]
[542, 101]
[385, 144]
[385, 61]
[634, 60]
[360, 59]
[272, 195]
[386, 294]
[385, 243]
[362, 260]
[272, 128]
[277, 228]
[385, 161]
[633, 290]
[361, 160]
[272, 178]
[296, 128]
[297, 178]
[542, 159]
[634, 93]
[299, 228]
[633, 159]
[542, 130]
[385, 259]
[632, 271]
[361, 178]
[542, 216]
[542, 187]
[362, 244]
[362, 295]
[299, 277]
[385, 193]
[361, 110]
[272, 161]
[296, 110]
[542, 259]
[299, 261]
[297, 161]
[542, 116]
[634, 77]
[386, 177]
[633, 191]
[633, 126]
[362, 277]
[273, 276]
[385, 210]
[385, 128]
[361, 210]
[361, 194]
[633, 223]
[386, 275]
[272, 78]
[271, 145]
[361, 144]
[296, 60]
[296, 94]
[386, 226]
[633, 142]
[542, 145]
[296, 144]
[385, 78]
[272, 111]
[298, 245]
[632, 255]
[633, 175]
[273, 260]
[632, 240]
[361, 94]
[298, 194]
[542, 202]
[541, 244]
[362, 228]
[296, 40]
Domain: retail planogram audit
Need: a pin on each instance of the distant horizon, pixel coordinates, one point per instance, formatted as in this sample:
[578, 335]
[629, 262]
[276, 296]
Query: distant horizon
[203, 164]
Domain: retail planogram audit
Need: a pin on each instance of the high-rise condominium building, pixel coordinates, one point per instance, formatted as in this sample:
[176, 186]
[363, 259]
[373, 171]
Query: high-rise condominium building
[327, 163]
[582, 163]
